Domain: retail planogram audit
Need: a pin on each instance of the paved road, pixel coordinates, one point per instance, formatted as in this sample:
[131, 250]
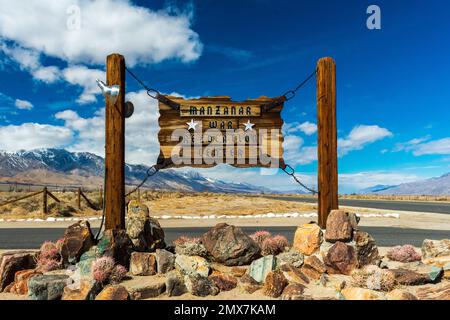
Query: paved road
[29, 238]
[417, 206]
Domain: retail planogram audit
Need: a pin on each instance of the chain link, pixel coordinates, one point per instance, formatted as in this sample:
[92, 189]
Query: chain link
[291, 173]
[153, 93]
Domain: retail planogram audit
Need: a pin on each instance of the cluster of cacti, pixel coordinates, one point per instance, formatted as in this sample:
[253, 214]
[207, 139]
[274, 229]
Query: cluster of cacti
[406, 253]
[274, 245]
[185, 239]
[49, 257]
[105, 270]
[260, 236]
[374, 278]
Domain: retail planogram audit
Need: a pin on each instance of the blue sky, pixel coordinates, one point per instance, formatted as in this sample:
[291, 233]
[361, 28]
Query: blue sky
[393, 87]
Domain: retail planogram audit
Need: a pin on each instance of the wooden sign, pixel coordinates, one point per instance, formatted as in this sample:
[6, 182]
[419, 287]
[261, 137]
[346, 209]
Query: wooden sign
[212, 130]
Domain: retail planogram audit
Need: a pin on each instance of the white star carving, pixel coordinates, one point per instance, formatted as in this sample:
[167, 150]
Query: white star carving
[192, 124]
[248, 125]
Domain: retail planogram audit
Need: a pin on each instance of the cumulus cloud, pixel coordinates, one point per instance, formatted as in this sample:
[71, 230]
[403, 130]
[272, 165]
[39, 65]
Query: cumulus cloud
[23, 104]
[360, 136]
[441, 146]
[141, 134]
[33, 135]
[307, 128]
[85, 78]
[295, 152]
[143, 36]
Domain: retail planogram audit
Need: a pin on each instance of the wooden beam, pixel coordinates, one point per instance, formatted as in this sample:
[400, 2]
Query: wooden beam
[115, 146]
[21, 198]
[327, 139]
[44, 201]
[51, 195]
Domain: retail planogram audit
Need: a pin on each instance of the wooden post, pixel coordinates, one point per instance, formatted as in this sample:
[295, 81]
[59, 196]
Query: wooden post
[327, 139]
[79, 198]
[44, 201]
[115, 146]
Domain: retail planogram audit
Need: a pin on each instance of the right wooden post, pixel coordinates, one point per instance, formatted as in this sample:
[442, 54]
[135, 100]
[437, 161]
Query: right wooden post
[327, 139]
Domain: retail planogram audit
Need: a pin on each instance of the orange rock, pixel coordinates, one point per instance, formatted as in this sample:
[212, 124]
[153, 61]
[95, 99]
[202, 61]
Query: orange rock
[398, 294]
[308, 238]
[113, 292]
[274, 284]
[83, 292]
[353, 293]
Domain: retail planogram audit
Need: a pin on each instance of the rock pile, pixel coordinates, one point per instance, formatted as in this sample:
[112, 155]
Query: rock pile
[340, 262]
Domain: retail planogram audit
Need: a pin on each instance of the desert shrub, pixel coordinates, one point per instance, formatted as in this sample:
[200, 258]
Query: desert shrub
[61, 209]
[102, 268]
[118, 274]
[49, 257]
[406, 253]
[260, 236]
[374, 278]
[281, 241]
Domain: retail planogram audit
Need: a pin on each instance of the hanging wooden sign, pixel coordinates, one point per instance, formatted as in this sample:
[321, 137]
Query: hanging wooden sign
[209, 131]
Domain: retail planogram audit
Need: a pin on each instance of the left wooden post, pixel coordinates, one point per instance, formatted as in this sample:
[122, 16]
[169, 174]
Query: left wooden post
[44, 201]
[115, 146]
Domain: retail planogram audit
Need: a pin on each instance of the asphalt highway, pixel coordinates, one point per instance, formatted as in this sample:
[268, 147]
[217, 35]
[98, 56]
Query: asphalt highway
[31, 238]
[416, 206]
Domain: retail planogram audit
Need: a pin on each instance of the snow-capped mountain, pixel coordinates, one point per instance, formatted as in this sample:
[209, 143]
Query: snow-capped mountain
[61, 167]
[433, 187]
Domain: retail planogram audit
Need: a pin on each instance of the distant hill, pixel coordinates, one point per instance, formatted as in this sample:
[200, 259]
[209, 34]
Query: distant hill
[64, 168]
[433, 187]
[375, 189]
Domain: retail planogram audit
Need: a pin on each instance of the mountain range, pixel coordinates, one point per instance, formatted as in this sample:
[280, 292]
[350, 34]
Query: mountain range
[433, 186]
[63, 168]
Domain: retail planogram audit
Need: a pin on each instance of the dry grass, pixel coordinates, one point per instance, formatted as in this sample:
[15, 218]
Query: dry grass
[175, 203]
[32, 207]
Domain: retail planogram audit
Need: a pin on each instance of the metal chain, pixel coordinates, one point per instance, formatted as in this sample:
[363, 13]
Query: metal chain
[154, 169]
[292, 174]
[153, 93]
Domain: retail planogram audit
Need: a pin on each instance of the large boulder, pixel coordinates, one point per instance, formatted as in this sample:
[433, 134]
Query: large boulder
[20, 284]
[192, 265]
[366, 248]
[165, 261]
[260, 268]
[175, 284]
[230, 245]
[341, 259]
[308, 238]
[354, 293]
[435, 248]
[47, 287]
[274, 284]
[200, 286]
[83, 290]
[113, 292]
[12, 262]
[223, 281]
[117, 245]
[78, 239]
[145, 232]
[339, 226]
[142, 264]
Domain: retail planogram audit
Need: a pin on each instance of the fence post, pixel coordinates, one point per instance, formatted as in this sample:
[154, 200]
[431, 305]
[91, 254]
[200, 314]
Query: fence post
[79, 198]
[115, 146]
[327, 139]
[44, 201]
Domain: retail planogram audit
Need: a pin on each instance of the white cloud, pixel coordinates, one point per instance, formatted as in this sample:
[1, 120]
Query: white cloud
[143, 36]
[307, 128]
[33, 135]
[23, 104]
[360, 136]
[141, 134]
[441, 146]
[351, 182]
[85, 78]
[295, 152]
[410, 145]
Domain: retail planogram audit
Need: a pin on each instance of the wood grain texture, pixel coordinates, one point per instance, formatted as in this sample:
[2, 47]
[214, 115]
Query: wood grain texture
[115, 146]
[270, 121]
[327, 139]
